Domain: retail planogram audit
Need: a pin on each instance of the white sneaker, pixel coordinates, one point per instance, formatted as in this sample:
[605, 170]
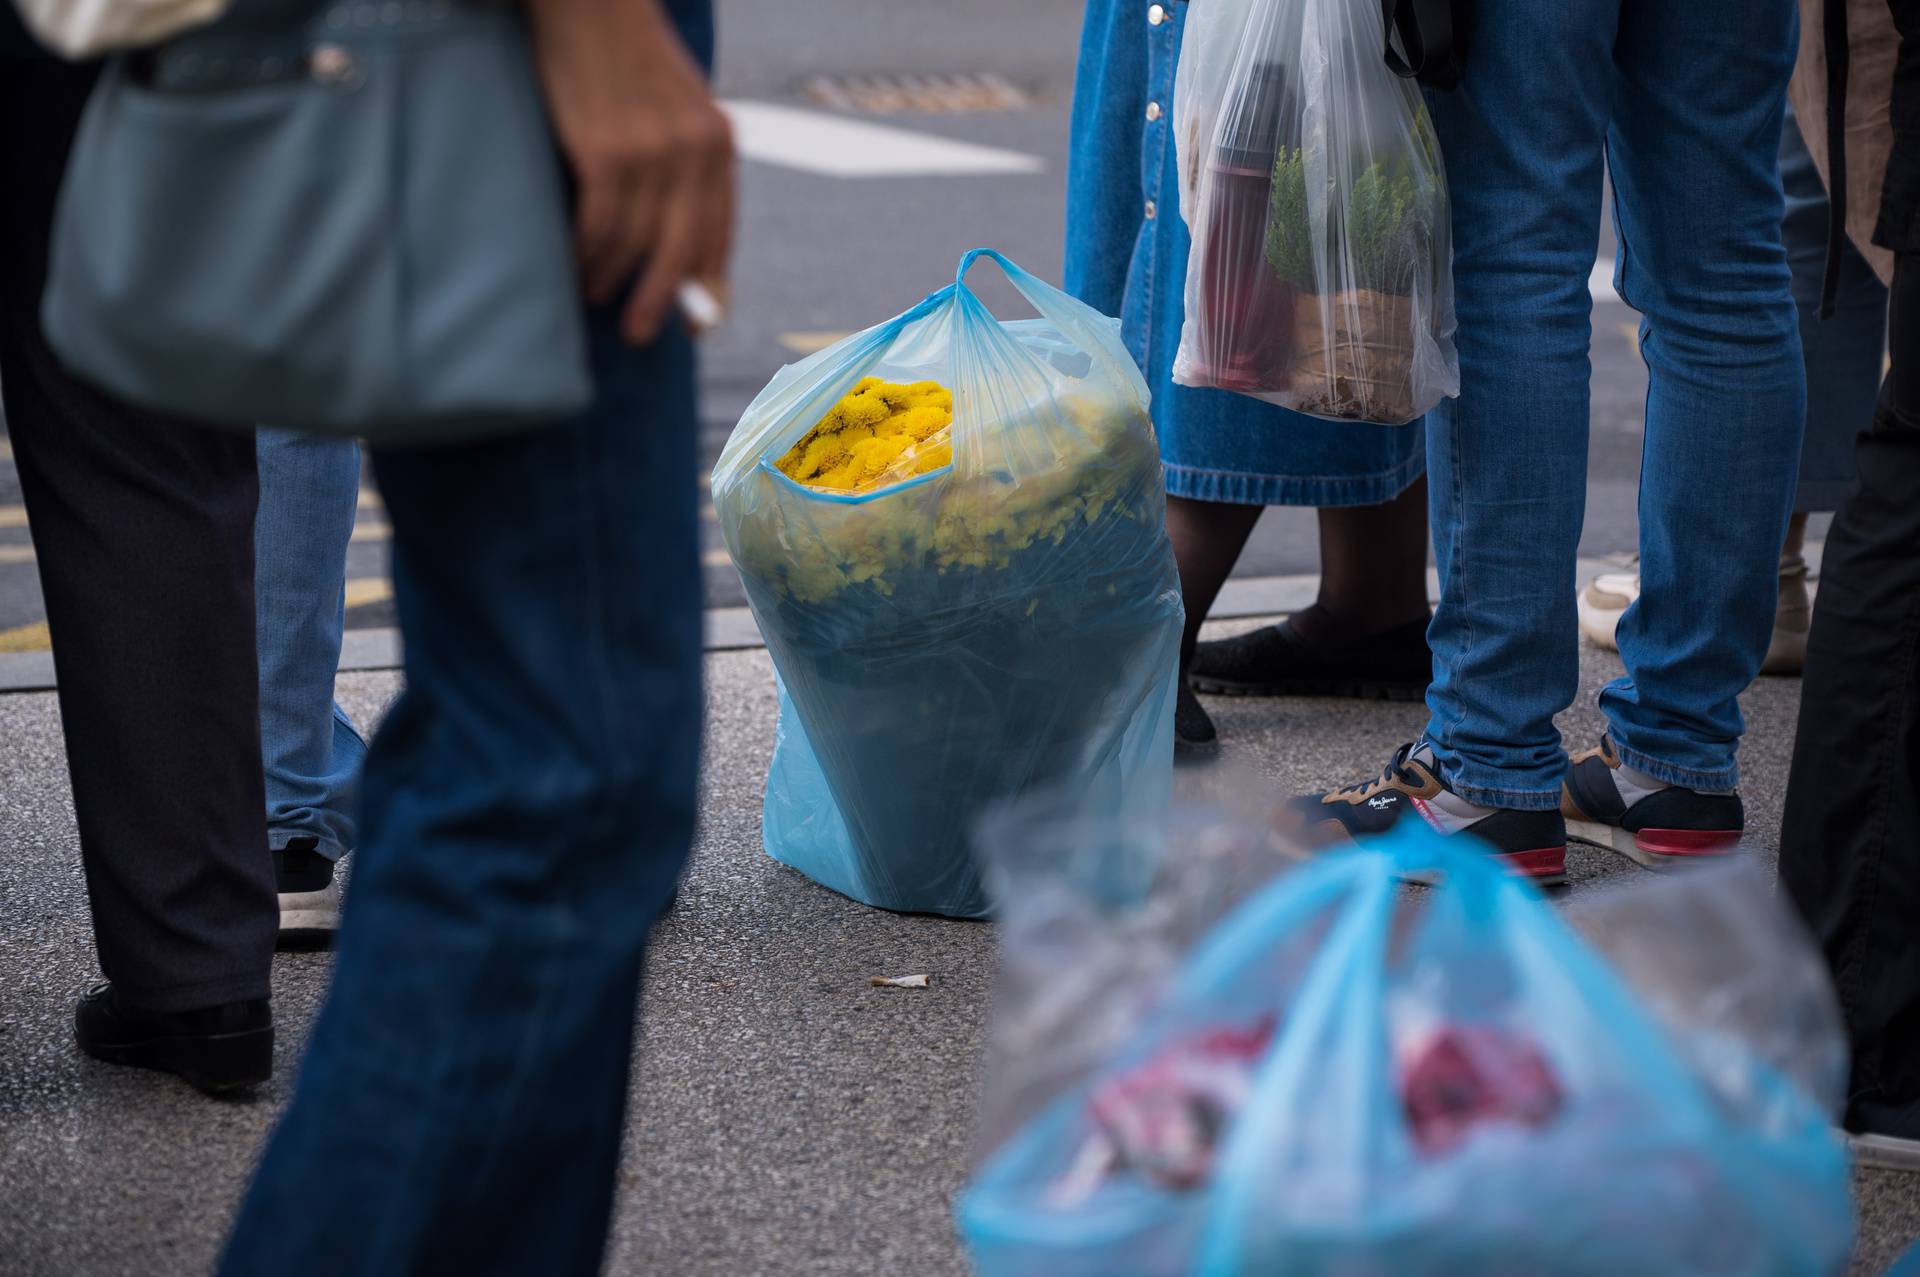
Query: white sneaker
[1601, 604]
[309, 893]
[1609, 595]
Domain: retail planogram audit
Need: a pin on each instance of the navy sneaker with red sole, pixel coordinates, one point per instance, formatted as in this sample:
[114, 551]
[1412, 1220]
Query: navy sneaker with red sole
[1532, 844]
[1660, 829]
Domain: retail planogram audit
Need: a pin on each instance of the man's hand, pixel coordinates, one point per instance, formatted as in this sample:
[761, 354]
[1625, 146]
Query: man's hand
[651, 153]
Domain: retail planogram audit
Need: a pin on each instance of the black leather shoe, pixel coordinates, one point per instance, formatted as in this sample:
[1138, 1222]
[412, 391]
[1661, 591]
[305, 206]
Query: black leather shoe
[215, 1049]
[1280, 661]
[1194, 737]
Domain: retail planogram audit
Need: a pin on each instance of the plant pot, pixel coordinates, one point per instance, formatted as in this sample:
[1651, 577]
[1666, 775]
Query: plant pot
[1353, 356]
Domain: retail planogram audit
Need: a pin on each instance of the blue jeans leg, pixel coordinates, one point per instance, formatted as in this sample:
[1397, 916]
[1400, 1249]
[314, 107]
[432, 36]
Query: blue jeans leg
[309, 490]
[1523, 137]
[1694, 156]
[526, 811]
[1686, 101]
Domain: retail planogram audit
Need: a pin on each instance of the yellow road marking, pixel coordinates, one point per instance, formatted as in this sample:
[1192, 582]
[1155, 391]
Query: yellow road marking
[368, 589]
[26, 638]
[16, 553]
[717, 558]
[807, 343]
[372, 530]
[370, 500]
[13, 516]
[1632, 333]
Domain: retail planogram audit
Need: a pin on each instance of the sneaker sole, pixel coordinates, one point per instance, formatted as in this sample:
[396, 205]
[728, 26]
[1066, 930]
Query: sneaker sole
[1885, 1152]
[216, 1065]
[308, 919]
[1313, 685]
[1657, 848]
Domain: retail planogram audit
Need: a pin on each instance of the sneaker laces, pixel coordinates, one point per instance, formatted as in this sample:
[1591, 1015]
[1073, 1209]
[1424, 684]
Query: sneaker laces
[1395, 770]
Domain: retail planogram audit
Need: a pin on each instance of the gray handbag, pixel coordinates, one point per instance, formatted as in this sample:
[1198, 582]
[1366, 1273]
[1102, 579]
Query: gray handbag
[345, 217]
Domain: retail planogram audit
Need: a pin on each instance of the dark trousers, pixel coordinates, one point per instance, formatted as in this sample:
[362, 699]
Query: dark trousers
[143, 527]
[1850, 841]
[1850, 838]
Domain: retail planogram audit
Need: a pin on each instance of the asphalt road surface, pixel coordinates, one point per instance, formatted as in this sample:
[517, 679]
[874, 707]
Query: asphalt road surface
[839, 231]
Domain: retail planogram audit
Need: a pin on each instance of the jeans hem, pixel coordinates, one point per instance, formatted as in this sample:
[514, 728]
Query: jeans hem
[1509, 799]
[194, 997]
[330, 847]
[1723, 778]
[1235, 487]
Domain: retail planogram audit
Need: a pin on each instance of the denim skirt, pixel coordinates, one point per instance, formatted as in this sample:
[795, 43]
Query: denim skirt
[1126, 254]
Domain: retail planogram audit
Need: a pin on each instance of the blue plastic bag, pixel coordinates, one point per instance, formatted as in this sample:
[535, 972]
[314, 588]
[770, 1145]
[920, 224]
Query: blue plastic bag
[1349, 1078]
[1010, 620]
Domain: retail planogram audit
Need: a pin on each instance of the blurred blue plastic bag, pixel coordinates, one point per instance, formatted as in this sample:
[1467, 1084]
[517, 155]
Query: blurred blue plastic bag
[1010, 620]
[1346, 1077]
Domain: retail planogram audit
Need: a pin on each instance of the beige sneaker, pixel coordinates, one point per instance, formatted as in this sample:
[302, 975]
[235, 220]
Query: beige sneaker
[1611, 593]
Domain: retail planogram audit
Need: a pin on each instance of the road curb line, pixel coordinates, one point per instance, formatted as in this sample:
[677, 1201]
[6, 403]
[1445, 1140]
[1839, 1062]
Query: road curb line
[732, 629]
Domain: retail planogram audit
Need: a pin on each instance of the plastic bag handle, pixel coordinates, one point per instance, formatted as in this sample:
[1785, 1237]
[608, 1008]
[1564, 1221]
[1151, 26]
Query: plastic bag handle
[1327, 1001]
[1413, 851]
[981, 344]
[1071, 315]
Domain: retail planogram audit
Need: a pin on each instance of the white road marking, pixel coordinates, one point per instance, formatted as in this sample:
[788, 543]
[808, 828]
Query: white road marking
[833, 146]
[1600, 282]
[810, 343]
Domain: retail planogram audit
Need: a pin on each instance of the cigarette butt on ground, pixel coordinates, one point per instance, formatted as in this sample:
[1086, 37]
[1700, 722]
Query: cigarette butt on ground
[899, 982]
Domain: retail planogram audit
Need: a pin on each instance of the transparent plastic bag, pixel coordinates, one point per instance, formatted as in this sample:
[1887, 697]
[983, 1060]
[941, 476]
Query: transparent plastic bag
[1346, 1076]
[954, 638]
[1729, 969]
[1320, 275]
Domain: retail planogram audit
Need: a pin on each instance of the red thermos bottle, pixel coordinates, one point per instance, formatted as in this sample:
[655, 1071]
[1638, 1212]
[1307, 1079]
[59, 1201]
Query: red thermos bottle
[1244, 335]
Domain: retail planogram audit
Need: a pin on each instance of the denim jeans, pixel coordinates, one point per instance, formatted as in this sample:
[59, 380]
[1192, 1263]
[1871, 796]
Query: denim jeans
[1683, 101]
[525, 812]
[309, 490]
[1123, 260]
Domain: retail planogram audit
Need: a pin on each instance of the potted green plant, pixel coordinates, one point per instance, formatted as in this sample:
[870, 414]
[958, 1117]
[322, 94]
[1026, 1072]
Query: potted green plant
[1361, 259]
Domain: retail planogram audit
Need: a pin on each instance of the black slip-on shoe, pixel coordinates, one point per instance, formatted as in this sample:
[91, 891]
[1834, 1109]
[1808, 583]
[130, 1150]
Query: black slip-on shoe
[1532, 844]
[1194, 736]
[1660, 828]
[1278, 660]
[217, 1050]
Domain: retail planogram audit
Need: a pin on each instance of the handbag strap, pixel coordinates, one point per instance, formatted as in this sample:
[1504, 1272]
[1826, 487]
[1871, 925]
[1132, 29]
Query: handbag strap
[1429, 41]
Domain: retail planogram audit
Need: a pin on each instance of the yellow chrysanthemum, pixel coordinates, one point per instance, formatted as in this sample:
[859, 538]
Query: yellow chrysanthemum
[880, 433]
